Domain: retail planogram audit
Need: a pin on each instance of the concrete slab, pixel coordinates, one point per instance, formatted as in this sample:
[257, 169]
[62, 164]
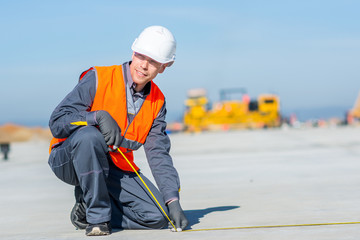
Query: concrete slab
[229, 179]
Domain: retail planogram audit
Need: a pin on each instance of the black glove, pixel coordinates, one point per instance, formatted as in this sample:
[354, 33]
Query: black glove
[177, 216]
[109, 128]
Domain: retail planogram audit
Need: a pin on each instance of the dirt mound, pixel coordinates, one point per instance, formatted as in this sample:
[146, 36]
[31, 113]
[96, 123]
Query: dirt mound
[16, 133]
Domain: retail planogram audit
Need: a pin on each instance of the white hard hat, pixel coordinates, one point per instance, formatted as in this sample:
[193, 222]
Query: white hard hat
[156, 42]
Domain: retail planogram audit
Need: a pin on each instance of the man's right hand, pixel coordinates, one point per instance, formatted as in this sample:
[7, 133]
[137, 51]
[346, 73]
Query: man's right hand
[109, 128]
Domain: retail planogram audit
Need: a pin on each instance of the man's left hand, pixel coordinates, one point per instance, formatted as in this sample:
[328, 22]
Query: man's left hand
[177, 216]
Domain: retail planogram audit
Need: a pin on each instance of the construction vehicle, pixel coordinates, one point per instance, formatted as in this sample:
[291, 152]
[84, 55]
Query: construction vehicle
[197, 109]
[230, 113]
[353, 116]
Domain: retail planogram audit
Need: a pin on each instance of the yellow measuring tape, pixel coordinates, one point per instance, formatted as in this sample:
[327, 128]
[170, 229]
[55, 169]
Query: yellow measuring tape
[214, 229]
[228, 228]
[148, 189]
[271, 226]
[84, 123]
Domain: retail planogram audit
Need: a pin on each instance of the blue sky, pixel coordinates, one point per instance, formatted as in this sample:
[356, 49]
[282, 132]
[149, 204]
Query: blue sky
[307, 52]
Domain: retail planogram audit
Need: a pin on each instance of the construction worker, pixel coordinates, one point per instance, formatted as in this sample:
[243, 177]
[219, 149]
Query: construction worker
[5, 148]
[118, 107]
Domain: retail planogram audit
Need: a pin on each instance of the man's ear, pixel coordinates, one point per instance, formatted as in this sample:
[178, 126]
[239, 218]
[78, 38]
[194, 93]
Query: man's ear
[162, 68]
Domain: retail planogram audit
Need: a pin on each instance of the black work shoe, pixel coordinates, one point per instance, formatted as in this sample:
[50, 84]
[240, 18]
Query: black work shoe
[98, 229]
[78, 215]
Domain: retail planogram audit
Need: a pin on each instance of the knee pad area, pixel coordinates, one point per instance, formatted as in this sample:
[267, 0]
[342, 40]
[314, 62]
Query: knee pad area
[154, 221]
[90, 136]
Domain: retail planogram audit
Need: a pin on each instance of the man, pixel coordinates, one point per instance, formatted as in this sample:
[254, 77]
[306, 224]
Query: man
[5, 148]
[118, 107]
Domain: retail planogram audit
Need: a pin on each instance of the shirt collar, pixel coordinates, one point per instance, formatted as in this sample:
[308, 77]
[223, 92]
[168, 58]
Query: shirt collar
[132, 85]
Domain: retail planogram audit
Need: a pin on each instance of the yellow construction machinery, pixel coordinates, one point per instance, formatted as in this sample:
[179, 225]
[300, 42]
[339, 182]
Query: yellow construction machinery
[354, 114]
[230, 112]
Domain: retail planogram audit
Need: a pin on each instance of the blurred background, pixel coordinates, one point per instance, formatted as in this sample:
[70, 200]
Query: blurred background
[305, 54]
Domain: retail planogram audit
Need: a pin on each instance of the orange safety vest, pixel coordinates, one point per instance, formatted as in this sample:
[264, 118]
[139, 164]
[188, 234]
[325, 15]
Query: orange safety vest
[111, 97]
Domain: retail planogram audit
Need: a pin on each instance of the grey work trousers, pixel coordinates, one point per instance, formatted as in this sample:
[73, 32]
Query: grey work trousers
[109, 193]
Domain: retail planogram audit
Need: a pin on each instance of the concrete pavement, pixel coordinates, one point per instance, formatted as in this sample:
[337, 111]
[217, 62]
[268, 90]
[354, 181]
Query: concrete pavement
[229, 179]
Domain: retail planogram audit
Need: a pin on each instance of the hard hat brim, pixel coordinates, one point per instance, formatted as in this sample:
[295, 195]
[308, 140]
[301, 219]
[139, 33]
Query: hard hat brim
[142, 51]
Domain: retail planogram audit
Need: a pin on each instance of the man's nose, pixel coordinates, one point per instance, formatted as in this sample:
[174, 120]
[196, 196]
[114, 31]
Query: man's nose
[144, 63]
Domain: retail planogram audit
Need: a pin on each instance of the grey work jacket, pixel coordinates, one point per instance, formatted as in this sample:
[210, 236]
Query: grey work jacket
[76, 107]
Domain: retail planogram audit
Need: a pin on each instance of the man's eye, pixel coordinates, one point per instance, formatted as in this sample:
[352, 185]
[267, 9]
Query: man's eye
[140, 56]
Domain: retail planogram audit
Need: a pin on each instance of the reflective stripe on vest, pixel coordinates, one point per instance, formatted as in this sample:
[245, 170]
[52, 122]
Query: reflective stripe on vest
[111, 97]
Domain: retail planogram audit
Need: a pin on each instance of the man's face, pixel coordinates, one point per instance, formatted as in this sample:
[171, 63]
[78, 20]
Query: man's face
[144, 69]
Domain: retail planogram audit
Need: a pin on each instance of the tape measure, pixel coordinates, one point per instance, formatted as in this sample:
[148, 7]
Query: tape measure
[270, 226]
